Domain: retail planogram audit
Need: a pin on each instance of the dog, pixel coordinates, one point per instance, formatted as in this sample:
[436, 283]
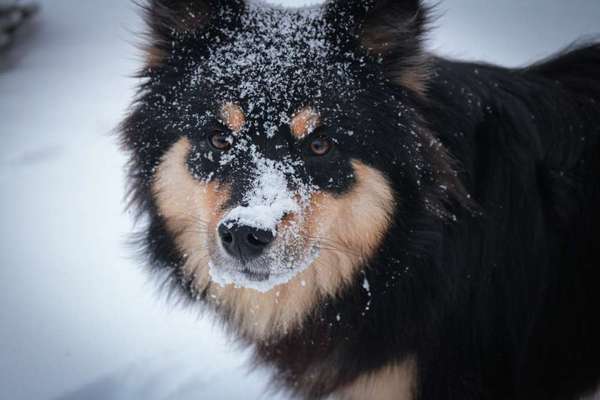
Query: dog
[374, 221]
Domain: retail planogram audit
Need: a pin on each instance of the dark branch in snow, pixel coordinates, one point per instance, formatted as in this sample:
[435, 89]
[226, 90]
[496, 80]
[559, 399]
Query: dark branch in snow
[12, 17]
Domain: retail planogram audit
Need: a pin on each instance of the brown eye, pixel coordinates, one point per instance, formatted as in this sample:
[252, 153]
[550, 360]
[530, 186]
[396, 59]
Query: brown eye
[321, 146]
[220, 140]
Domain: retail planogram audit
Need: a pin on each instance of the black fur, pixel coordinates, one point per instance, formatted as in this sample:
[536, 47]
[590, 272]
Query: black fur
[489, 274]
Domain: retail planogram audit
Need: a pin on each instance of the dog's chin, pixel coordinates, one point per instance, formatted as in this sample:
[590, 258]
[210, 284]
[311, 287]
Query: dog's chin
[261, 274]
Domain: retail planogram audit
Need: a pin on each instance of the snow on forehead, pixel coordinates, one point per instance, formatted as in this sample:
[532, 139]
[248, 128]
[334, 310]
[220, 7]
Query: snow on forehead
[278, 58]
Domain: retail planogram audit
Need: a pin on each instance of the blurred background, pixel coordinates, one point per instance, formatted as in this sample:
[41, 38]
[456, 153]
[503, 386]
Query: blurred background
[79, 317]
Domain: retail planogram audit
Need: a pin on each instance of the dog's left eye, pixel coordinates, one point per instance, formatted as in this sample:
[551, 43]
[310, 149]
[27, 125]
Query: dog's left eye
[220, 140]
[321, 145]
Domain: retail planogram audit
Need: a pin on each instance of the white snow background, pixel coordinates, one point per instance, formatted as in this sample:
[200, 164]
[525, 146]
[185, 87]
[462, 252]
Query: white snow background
[79, 317]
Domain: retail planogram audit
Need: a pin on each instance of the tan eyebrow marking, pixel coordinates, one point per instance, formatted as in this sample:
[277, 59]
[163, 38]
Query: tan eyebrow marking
[233, 116]
[304, 122]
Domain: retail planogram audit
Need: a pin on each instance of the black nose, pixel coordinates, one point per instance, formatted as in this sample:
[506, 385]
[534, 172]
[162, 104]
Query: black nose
[244, 242]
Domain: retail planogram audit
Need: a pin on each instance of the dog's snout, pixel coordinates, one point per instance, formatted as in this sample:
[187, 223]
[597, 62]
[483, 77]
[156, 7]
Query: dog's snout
[244, 242]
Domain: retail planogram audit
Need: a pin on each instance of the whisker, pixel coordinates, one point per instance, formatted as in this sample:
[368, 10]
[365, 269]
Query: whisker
[335, 245]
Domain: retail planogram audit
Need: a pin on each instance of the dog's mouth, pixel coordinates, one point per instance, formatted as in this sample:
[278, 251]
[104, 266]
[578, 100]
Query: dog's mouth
[255, 276]
[238, 274]
[277, 266]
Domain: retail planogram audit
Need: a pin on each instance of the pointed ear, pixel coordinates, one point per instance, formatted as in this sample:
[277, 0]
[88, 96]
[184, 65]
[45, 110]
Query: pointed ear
[170, 20]
[389, 30]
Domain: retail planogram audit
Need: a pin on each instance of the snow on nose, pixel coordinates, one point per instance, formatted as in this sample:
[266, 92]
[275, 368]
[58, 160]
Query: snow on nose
[268, 201]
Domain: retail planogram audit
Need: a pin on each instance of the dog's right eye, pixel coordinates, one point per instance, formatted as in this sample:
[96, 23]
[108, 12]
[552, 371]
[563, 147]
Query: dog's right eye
[321, 146]
[220, 140]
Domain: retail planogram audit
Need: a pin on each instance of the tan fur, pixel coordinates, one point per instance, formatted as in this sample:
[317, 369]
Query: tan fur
[304, 122]
[415, 72]
[233, 116]
[390, 383]
[190, 209]
[354, 224]
[154, 56]
[414, 78]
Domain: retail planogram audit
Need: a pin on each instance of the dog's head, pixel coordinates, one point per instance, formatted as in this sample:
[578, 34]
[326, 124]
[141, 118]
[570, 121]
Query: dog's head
[274, 149]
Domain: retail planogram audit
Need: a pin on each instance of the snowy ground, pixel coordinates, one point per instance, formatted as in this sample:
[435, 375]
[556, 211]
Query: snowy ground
[79, 318]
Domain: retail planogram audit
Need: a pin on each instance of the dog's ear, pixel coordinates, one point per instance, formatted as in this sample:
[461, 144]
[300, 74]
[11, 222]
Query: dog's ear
[389, 30]
[172, 20]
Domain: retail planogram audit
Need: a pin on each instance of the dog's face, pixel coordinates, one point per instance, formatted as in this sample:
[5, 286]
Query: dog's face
[274, 148]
